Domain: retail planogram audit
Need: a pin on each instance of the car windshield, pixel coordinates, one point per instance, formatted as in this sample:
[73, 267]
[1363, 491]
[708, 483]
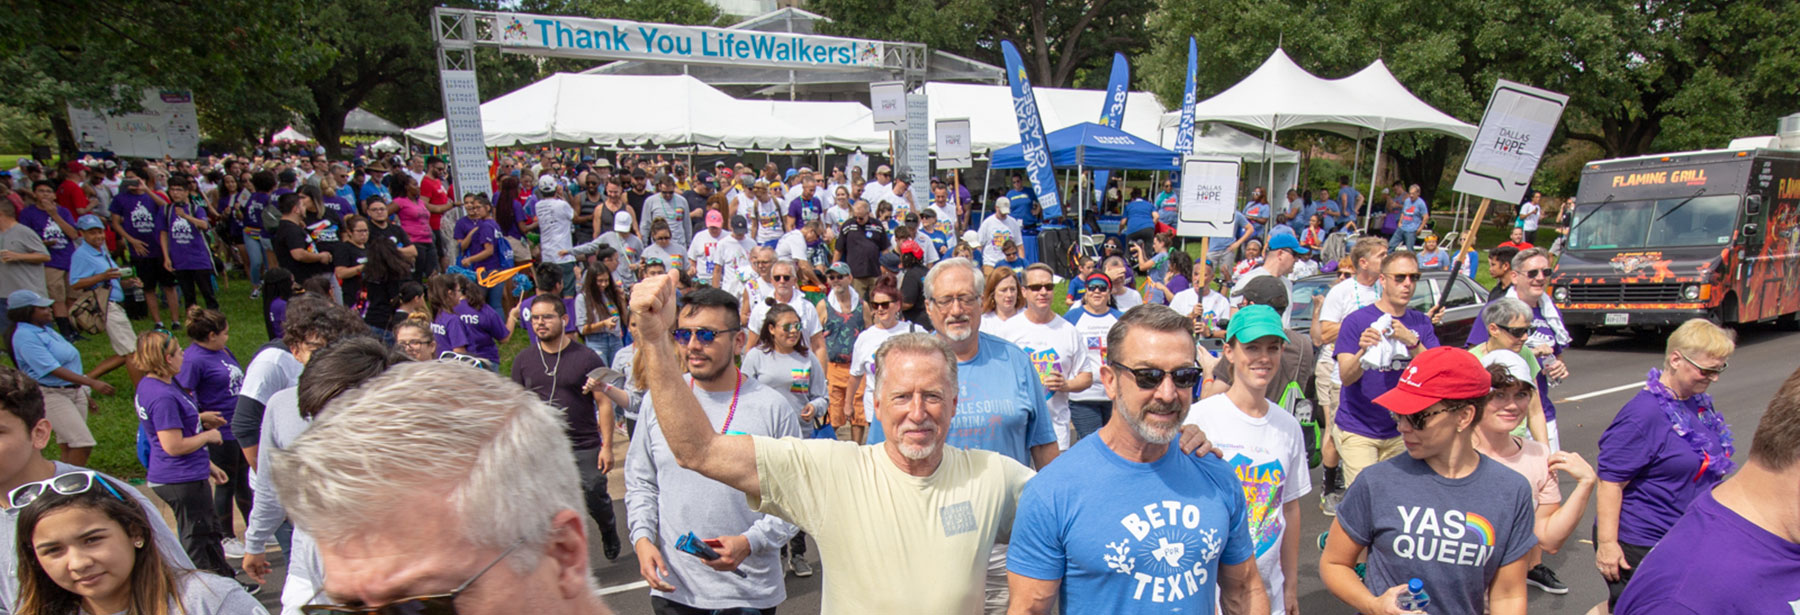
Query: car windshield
[1620, 225]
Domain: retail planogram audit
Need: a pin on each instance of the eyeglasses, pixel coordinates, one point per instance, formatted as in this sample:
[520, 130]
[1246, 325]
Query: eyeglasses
[1040, 288]
[962, 300]
[1405, 277]
[1709, 372]
[1152, 377]
[1418, 420]
[544, 317]
[435, 604]
[791, 327]
[880, 305]
[782, 278]
[66, 484]
[416, 343]
[1516, 331]
[706, 336]
[1536, 273]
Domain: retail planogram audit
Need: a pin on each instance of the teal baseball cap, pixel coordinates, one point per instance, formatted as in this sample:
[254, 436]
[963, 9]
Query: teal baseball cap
[1254, 323]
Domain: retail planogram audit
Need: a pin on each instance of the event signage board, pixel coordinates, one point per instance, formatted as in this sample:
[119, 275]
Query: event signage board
[1208, 196]
[165, 126]
[1184, 139]
[918, 140]
[630, 40]
[953, 149]
[1510, 143]
[1032, 142]
[887, 101]
[462, 121]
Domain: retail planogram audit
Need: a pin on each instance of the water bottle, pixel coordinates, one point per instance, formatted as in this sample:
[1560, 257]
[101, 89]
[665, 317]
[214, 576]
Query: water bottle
[1414, 598]
[1548, 362]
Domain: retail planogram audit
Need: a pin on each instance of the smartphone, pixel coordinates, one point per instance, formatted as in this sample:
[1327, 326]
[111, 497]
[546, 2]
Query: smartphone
[703, 549]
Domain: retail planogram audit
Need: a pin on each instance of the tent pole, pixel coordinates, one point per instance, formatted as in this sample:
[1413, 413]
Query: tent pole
[1374, 176]
[1356, 166]
[987, 182]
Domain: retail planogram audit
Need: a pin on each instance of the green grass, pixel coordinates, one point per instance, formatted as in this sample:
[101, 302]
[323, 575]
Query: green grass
[115, 424]
[8, 161]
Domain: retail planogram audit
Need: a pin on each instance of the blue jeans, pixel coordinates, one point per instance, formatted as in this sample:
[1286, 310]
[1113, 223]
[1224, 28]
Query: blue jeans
[496, 298]
[604, 344]
[1087, 417]
[253, 247]
[1404, 238]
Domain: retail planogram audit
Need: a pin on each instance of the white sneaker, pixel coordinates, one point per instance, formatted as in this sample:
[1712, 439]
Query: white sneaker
[234, 548]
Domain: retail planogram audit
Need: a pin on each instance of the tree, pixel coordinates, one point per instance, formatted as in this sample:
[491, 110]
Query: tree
[1060, 41]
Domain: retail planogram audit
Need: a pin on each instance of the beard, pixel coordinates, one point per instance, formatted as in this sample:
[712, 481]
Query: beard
[1156, 434]
[917, 452]
[954, 324]
[712, 374]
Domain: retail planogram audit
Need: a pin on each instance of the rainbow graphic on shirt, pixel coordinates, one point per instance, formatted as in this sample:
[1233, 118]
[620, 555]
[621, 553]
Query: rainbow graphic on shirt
[1481, 527]
[802, 380]
[1001, 236]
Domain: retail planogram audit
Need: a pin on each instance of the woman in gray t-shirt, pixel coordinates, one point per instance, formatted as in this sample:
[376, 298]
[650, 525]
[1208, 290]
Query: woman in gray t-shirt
[780, 361]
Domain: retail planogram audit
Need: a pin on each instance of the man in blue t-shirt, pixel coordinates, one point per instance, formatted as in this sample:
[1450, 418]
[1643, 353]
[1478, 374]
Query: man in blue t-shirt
[1373, 346]
[1414, 213]
[1127, 525]
[1020, 202]
[1349, 197]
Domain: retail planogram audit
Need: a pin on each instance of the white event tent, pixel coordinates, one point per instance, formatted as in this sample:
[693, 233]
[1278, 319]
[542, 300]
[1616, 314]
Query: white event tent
[1259, 157]
[993, 125]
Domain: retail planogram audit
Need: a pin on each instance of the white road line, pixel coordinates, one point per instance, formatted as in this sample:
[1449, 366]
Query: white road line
[1622, 387]
[619, 589]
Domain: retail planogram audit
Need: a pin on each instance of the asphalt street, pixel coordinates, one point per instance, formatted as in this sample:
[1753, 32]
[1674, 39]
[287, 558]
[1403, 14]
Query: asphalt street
[1603, 376]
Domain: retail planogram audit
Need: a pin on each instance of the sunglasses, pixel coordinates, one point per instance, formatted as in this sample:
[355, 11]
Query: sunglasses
[435, 604]
[66, 484]
[782, 278]
[1097, 288]
[1405, 277]
[682, 336]
[1516, 331]
[1418, 420]
[660, 238]
[834, 276]
[1152, 377]
[880, 305]
[791, 327]
[1709, 372]
[1040, 288]
[1536, 273]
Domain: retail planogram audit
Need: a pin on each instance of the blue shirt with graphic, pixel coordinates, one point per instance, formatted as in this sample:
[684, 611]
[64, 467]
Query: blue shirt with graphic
[1412, 214]
[1000, 406]
[1128, 537]
[1020, 207]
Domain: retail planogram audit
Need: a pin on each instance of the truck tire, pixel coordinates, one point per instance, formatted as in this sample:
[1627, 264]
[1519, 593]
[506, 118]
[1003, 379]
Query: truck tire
[1578, 336]
[1788, 322]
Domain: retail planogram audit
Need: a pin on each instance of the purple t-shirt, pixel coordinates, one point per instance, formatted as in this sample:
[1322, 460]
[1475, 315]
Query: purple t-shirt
[487, 233]
[277, 315]
[568, 323]
[60, 244]
[160, 406]
[339, 205]
[450, 333]
[1541, 333]
[187, 246]
[801, 209]
[143, 220]
[1660, 470]
[484, 329]
[214, 377]
[253, 211]
[1746, 569]
[1358, 413]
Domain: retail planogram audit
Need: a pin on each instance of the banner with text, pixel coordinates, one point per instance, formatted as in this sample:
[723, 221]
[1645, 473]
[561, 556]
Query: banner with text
[462, 120]
[1112, 111]
[953, 149]
[1032, 143]
[918, 143]
[631, 40]
[1207, 196]
[165, 126]
[1514, 132]
[1184, 140]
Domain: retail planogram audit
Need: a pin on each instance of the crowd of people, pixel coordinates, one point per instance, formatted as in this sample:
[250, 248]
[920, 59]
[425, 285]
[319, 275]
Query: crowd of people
[780, 361]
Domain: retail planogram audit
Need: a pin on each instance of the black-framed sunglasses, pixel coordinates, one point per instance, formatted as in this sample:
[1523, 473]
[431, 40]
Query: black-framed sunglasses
[1419, 420]
[1536, 273]
[65, 484]
[1515, 331]
[880, 305]
[1152, 377]
[1040, 288]
[434, 604]
[707, 336]
[1405, 277]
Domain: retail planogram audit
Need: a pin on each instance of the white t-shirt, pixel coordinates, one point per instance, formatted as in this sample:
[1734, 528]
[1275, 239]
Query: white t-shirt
[735, 260]
[792, 246]
[992, 322]
[1093, 329]
[875, 192]
[1268, 455]
[1055, 346]
[1126, 300]
[700, 253]
[809, 315]
[994, 232]
[835, 217]
[1346, 297]
[768, 223]
[946, 216]
[862, 358]
[1214, 305]
[556, 220]
[1529, 212]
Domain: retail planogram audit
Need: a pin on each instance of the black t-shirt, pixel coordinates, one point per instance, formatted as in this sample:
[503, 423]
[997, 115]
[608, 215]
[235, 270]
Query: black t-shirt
[636, 200]
[382, 299]
[346, 254]
[289, 237]
[912, 290]
[532, 370]
[392, 232]
[861, 243]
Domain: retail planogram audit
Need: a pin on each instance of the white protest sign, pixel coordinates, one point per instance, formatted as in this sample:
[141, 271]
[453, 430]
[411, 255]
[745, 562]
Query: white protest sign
[462, 121]
[1208, 196]
[953, 150]
[918, 139]
[1514, 132]
[888, 100]
[167, 125]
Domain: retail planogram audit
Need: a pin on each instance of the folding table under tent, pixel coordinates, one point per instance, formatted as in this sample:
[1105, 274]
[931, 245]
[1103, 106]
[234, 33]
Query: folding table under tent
[1089, 145]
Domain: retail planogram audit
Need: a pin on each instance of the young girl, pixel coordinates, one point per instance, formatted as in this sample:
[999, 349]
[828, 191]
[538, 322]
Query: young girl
[1253, 251]
[211, 372]
[179, 466]
[445, 294]
[600, 314]
[83, 548]
[1314, 235]
[483, 326]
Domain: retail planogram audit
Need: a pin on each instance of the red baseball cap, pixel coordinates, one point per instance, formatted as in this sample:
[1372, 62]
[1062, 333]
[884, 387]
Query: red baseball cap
[74, 166]
[912, 247]
[1436, 375]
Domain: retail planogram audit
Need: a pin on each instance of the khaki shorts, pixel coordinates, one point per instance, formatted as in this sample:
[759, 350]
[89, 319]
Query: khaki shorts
[67, 410]
[1356, 453]
[118, 330]
[837, 376]
[56, 285]
[1327, 390]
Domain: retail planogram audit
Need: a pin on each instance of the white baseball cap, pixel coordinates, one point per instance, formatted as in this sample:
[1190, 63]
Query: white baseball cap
[1510, 361]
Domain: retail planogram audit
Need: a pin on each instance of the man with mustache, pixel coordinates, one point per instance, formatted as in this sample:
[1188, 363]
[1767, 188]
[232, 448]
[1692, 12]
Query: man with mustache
[1128, 525]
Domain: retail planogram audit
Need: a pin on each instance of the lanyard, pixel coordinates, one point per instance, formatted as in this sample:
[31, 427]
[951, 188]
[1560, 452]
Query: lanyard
[732, 412]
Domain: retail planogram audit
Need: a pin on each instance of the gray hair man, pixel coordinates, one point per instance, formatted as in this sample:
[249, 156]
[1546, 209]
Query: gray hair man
[1548, 338]
[439, 484]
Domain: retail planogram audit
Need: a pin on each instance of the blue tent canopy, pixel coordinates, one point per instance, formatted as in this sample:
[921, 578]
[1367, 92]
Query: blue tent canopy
[1096, 147]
